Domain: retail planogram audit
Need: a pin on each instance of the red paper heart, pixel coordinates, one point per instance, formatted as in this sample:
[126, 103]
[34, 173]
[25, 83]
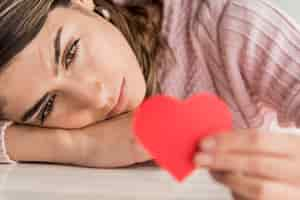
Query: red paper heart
[171, 129]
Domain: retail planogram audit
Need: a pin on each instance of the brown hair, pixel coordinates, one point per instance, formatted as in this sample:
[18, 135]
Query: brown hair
[140, 23]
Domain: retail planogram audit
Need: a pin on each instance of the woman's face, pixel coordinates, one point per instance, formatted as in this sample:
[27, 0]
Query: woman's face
[78, 63]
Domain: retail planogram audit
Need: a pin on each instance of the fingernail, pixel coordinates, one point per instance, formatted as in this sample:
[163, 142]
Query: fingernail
[208, 144]
[204, 159]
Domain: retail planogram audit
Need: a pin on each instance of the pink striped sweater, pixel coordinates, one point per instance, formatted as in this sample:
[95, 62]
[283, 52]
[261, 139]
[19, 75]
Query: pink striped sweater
[245, 51]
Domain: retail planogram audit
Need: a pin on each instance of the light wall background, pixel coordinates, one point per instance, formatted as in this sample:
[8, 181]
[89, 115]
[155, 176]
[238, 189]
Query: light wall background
[292, 7]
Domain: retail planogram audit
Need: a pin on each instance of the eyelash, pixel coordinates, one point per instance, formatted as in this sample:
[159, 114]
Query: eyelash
[69, 59]
[46, 110]
[71, 53]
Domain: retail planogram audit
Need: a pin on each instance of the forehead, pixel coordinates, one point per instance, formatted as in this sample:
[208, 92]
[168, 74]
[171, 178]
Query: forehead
[27, 76]
[30, 75]
[58, 17]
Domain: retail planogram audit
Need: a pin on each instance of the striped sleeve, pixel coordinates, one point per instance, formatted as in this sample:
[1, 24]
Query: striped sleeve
[260, 50]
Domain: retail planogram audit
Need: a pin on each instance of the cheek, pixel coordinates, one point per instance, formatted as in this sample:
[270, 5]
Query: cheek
[111, 49]
[70, 116]
[115, 59]
[73, 121]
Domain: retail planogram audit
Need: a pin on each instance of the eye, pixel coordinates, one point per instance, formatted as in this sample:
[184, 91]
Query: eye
[46, 110]
[71, 53]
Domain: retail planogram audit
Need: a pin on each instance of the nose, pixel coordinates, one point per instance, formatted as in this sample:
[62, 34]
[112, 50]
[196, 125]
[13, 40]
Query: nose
[94, 95]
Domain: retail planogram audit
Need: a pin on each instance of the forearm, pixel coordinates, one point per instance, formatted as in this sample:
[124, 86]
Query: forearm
[112, 143]
[105, 144]
[27, 143]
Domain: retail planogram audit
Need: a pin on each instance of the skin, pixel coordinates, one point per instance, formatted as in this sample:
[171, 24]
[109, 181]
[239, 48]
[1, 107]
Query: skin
[88, 88]
[86, 91]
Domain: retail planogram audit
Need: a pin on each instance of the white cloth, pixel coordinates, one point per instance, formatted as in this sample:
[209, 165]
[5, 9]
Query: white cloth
[4, 157]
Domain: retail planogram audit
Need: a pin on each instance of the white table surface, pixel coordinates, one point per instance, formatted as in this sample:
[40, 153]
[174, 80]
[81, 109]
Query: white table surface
[58, 182]
[145, 182]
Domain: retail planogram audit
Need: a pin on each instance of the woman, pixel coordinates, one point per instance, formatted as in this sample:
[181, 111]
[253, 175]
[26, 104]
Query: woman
[83, 70]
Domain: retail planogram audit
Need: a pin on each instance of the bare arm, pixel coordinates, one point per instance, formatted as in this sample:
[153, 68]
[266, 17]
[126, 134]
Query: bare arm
[26, 143]
[105, 144]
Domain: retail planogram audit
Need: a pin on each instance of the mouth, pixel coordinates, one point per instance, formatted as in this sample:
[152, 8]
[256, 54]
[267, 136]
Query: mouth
[120, 104]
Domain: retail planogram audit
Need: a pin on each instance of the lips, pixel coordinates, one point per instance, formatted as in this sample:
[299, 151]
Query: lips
[120, 103]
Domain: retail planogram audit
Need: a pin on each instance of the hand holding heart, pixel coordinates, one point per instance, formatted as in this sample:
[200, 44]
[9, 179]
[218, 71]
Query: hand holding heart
[252, 164]
[170, 129]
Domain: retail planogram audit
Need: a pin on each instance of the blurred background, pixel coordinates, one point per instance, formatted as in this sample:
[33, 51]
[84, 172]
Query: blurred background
[290, 6]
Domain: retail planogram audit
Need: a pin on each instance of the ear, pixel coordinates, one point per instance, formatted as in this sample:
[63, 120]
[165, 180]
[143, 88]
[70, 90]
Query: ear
[86, 4]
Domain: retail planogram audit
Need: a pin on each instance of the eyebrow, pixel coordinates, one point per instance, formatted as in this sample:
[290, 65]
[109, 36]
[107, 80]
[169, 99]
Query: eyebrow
[28, 115]
[57, 45]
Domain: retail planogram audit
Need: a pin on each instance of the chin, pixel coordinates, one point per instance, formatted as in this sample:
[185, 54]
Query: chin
[138, 101]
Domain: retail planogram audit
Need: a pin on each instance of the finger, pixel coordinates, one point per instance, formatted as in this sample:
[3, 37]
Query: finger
[238, 197]
[274, 168]
[216, 174]
[252, 141]
[257, 188]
